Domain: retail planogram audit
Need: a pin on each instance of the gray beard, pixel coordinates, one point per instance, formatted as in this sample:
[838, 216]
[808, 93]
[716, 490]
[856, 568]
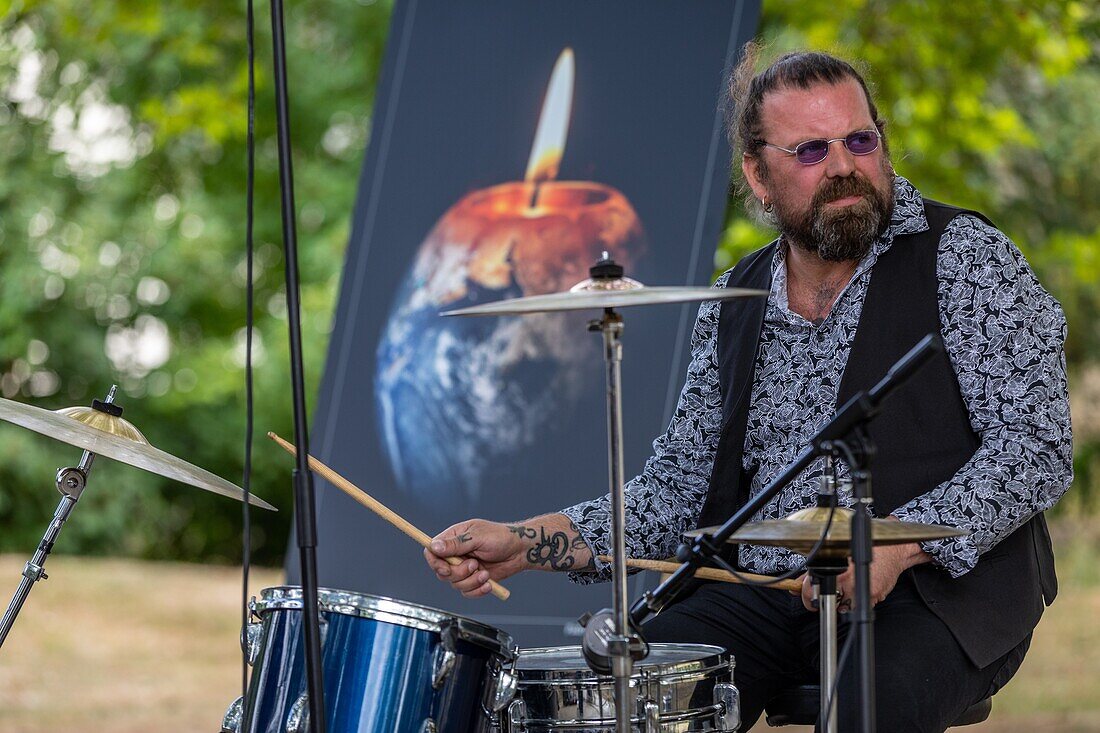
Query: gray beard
[847, 234]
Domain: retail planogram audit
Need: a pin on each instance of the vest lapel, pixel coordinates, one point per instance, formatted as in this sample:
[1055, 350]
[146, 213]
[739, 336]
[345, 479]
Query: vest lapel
[739, 325]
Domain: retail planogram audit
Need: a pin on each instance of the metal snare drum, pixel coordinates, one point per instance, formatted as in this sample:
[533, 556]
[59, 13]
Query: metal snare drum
[388, 666]
[678, 687]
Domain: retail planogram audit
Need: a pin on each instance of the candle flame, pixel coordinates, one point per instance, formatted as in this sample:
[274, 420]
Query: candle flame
[553, 122]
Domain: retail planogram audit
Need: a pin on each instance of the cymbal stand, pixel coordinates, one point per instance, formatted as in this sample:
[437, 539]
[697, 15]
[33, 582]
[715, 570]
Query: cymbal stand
[858, 451]
[824, 567]
[824, 572]
[619, 644]
[71, 482]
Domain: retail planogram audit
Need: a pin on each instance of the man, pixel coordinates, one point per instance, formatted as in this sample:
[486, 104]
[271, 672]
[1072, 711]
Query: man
[980, 439]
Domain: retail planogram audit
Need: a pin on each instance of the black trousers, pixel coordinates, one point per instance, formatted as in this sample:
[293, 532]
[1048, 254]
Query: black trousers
[923, 679]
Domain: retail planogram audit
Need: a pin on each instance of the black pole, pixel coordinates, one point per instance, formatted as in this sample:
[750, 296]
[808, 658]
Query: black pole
[303, 479]
[862, 555]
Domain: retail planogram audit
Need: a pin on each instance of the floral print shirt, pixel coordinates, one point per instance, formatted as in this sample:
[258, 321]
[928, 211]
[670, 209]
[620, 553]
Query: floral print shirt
[1004, 336]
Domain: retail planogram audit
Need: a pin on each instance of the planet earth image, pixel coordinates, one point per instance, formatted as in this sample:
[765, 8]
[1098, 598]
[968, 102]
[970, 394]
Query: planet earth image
[456, 396]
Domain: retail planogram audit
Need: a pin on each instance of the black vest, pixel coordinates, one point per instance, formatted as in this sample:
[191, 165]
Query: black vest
[923, 436]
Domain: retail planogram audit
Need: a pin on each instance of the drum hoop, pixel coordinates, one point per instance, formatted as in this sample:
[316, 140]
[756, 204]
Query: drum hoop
[586, 678]
[703, 713]
[711, 659]
[388, 610]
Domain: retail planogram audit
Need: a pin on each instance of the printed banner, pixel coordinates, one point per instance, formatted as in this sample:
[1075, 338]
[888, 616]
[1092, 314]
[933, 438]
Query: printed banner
[512, 144]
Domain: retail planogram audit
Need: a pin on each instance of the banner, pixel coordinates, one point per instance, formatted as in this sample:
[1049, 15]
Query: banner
[512, 143]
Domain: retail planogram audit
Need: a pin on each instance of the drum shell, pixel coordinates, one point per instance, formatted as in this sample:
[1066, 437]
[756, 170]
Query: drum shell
[680, 693]
[380, 659]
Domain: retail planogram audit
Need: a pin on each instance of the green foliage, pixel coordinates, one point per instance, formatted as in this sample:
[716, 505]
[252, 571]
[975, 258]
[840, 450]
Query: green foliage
[122, 129]
[102, 244]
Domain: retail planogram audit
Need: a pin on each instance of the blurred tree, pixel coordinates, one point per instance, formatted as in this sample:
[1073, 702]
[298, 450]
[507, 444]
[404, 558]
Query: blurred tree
[122, 141]
[947, 78]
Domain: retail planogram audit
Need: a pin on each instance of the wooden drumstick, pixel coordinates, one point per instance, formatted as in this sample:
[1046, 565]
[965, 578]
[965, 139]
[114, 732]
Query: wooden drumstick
[379, 508]
[663, 566]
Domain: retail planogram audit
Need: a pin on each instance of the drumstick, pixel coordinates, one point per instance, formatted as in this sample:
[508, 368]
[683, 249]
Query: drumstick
[379, 508]
[664, 566]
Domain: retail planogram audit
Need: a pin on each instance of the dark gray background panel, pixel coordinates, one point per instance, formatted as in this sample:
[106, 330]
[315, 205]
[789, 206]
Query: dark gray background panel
[457, 107]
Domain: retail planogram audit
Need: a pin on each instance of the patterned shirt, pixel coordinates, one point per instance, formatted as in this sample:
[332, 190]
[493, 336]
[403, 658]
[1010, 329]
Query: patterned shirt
[1003, 334]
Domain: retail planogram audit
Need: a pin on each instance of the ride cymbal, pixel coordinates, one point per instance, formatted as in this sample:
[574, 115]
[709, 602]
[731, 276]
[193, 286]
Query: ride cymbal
[596, 299]
[109, 435]
[800, 531]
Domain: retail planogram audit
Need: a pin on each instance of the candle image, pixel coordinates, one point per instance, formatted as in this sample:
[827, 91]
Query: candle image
[456, 396]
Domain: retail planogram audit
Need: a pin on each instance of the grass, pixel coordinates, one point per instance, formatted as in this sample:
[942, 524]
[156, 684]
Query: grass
[126, 646]
[119, 645]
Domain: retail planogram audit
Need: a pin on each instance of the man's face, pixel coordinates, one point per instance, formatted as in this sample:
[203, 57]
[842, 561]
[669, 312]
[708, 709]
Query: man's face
[835, 208]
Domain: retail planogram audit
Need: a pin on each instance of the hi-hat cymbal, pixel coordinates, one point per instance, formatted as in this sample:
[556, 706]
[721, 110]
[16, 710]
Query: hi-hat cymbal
[599, 299]
[800, 531]
[113, 437]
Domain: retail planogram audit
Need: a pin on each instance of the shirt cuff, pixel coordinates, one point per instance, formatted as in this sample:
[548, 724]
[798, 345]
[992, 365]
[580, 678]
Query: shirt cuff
[956, 555]
[592, 524]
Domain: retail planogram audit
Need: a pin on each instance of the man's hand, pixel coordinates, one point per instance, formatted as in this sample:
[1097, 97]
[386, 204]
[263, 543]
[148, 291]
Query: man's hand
[497, 551]
[887, 564]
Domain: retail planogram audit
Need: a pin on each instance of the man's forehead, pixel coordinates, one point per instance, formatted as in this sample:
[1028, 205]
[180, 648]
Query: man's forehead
[821, 110]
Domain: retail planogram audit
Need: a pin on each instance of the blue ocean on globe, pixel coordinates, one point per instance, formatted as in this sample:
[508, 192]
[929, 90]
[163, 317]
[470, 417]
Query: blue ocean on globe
[456, 396]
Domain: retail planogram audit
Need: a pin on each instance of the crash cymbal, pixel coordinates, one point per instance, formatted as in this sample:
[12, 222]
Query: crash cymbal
[800, 531]
[596, 299]
[111, 436]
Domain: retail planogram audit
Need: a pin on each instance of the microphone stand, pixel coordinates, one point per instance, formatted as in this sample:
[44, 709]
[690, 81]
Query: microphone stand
[844, 436]
[306, 524]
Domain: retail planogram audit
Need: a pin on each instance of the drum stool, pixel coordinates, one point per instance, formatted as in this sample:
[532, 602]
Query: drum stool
[800, 706]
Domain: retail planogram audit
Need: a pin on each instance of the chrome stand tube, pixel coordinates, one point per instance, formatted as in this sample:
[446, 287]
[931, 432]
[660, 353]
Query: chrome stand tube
[611, 326]
[826, 599]
[70, 482]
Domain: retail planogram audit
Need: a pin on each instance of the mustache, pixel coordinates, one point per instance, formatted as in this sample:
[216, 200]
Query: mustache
[839, 188]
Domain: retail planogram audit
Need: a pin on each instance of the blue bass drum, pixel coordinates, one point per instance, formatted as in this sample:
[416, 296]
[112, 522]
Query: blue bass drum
[388, 666]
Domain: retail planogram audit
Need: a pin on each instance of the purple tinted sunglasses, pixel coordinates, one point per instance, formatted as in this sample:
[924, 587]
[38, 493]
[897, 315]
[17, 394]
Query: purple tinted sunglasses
[861, 142]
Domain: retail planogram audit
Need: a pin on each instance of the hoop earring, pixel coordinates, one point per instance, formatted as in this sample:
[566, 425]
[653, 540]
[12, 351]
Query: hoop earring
[766, 206]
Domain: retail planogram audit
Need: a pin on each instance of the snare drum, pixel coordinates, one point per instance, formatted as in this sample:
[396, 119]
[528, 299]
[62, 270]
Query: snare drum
[388, 666]
[677, 687]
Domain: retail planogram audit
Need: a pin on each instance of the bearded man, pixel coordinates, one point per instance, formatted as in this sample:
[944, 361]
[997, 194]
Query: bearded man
[863, 267]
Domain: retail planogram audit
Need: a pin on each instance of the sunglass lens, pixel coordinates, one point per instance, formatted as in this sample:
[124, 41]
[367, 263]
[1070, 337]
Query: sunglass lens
[861, 143]
[811, 151]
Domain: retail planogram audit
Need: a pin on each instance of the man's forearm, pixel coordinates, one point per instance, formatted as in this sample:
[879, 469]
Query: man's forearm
[553, 542]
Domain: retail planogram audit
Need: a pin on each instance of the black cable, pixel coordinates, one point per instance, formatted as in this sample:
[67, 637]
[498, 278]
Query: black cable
[246, 550]
[792, 573]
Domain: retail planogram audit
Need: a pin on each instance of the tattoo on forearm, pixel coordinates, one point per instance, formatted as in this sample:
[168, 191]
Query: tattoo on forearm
[525, 533]
[554, 549]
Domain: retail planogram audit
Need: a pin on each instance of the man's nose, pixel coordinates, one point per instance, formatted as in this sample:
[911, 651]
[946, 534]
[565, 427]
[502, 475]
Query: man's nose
[839, 162]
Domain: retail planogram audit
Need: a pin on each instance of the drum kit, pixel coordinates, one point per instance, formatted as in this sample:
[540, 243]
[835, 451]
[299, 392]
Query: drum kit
[390, 665]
